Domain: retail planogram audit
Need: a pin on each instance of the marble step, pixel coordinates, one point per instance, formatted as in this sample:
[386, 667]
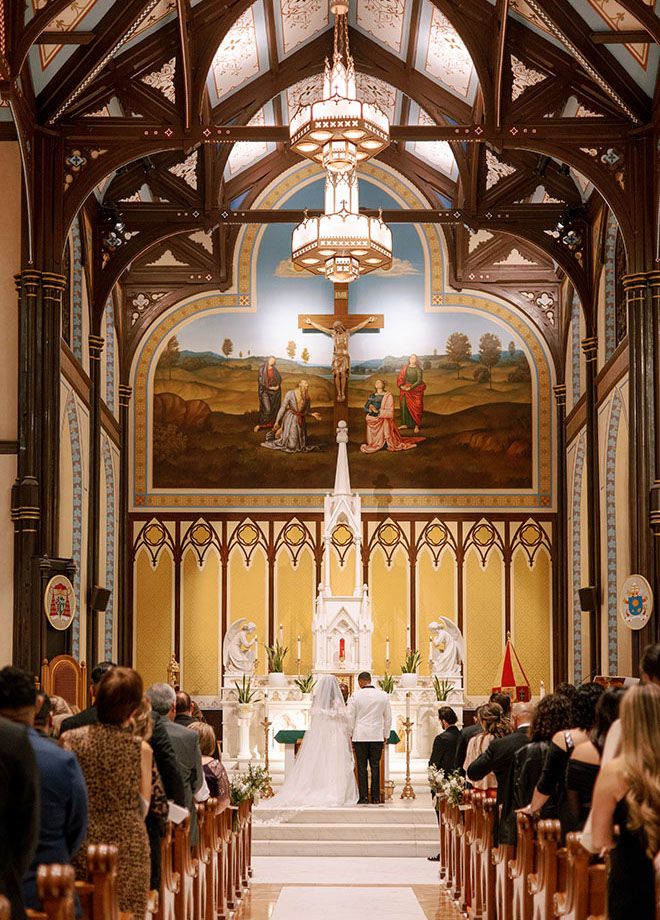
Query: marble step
[350, 848]
[407, 832]
[399, 813]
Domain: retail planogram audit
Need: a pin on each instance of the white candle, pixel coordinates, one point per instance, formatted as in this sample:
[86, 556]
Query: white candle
[256, 649]
[387, 648]
[265, 705]
[408, 706]
[299, 655]
[281, 635]
[408, 646]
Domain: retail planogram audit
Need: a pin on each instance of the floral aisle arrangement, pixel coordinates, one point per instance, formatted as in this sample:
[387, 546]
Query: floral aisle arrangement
[248, 785]
[449, 786]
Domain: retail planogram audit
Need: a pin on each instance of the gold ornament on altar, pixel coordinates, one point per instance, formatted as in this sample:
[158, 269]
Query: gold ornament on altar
[173, 672]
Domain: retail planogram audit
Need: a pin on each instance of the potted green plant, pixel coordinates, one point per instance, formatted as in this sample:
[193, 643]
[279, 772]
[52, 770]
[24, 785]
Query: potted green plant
[409, 669]
[306, 684]
[386, 683]
[443, 689]
[276, 655]
[246, 696]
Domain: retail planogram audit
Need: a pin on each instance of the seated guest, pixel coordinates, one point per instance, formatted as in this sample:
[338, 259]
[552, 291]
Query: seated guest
[584, 763]
[494, 725]
[443, 754]
[469, 731]
[627, 797]
[186, 749]
[214, 772]
[88, 716]
[63, 792]
[196, 712]
[184, 709]
[117, 765]
[553, 778]
[20, 812]
[498, 758]
[60, 710]
[553, 714]
[43, 717]
[142, 725]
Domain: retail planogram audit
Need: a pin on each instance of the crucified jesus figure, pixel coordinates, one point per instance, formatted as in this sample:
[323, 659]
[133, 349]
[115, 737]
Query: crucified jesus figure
[341, 362]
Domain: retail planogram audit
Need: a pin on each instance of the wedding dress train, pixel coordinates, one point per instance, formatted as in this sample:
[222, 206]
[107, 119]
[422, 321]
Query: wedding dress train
[322, 774]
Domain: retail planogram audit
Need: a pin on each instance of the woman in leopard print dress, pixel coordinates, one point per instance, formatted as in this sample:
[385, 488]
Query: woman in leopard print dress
[117, 769]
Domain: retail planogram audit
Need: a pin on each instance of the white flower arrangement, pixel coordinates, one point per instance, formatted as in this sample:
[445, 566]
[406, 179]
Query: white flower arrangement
[436, 779]
[449, 786]
[246, 786]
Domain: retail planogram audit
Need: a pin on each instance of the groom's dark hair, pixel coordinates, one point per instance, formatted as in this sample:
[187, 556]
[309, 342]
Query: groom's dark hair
[364, 675]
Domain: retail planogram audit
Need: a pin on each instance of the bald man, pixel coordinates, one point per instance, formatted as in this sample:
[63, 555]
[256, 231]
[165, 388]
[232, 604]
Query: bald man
[498, 759]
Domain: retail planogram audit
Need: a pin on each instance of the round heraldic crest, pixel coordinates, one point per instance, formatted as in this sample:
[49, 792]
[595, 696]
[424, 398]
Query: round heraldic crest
[636, 602]
[60, 602]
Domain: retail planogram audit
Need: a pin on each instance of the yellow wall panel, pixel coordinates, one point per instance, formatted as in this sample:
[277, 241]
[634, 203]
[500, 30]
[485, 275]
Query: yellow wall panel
[294, 607]
[342, 579]
[247, 595]
[436, 596]
[154, 603]
[484, 629]
[201, 617]
[389, 604]
[531, 616]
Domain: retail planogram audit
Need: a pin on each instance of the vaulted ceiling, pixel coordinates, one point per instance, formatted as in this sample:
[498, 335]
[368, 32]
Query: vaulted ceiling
[506, 113]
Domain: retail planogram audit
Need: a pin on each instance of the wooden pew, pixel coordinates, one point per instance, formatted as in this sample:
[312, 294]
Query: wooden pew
[501, 857]
[521, 866]
[224, 833]
[98, 897]
[55, 887]
[463, 830]
[550, 874]
[186, 867]
[474, 837]
[4, 908]
[454, 883]
[487, 806]
[246, 873]
[586, 885]
[170, 880]
[202, 856]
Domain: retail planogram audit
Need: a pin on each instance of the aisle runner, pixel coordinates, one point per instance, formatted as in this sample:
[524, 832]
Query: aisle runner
[316, 903]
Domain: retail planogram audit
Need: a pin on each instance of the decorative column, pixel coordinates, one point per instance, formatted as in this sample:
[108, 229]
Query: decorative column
[560, 605]
[35, 492]
[641, 441]
[96, 344]
[590, 349]
[654, 516]
[125, 541]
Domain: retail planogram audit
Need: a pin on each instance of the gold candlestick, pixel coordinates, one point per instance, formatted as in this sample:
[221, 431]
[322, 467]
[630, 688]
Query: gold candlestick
[408, 791]
[268, 794]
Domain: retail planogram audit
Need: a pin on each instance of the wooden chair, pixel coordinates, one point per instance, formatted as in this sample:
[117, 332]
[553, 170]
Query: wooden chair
[65, 677]
[521, 866]
[586, 885]
[170, 880]
[550, 874]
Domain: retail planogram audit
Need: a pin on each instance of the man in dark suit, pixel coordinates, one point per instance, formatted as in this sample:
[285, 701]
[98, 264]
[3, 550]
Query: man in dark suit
[184, 708]
[443, 755]
[186, 748]
[64, 809]
[43, 718]
[168, 767]
[20, 811]
[469, 731]
[88, 716]
[498, 758]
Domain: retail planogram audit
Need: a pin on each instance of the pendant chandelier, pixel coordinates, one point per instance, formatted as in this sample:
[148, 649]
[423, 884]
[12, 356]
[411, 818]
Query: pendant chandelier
[342, 244]
[338, 132]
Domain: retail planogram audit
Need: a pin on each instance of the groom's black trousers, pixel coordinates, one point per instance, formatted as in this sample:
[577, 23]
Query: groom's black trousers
[368, 752]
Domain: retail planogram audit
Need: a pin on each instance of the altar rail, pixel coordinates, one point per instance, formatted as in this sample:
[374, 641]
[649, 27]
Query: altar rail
[207, 883]
[537, 880]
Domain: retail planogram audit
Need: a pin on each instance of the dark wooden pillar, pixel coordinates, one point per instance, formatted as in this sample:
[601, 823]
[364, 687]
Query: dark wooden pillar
[654, 498]
[642, 439]
[559, 548]
[96, 344]
[35, 492]
[124, 605]
[590, 349]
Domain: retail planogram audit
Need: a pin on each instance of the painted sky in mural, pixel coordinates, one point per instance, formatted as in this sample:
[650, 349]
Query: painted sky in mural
[465, 397]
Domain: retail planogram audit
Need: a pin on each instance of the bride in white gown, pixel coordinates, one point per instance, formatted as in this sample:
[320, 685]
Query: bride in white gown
[322, 773]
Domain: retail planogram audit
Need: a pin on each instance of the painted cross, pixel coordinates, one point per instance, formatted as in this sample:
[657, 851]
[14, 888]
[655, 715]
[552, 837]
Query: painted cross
[325, 322]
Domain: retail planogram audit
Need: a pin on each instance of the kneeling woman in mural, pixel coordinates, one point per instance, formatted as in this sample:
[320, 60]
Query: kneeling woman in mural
[381, 430]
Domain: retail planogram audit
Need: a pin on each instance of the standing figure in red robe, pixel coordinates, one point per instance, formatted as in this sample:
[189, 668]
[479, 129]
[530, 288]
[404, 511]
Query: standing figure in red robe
[411, 389]
[381, 430]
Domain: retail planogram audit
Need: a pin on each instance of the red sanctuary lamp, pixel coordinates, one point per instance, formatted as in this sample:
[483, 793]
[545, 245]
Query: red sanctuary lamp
[342, 649]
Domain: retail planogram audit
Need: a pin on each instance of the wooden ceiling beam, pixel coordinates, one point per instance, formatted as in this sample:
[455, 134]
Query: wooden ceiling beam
[184, 72]
[65, 38]
[645, 16]
[499, 45]
[598, 62]
[271, 36]
[87, 62]
[413, 34]
[18, 53]
[612, 37]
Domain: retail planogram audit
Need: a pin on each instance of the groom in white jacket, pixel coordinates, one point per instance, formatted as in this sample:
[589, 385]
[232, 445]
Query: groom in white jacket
[369, 722]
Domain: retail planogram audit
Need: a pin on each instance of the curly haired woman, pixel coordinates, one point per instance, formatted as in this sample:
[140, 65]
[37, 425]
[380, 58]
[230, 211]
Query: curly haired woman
[491, 717]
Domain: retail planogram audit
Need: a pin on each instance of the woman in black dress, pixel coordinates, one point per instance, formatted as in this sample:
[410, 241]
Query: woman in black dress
[626, 808]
